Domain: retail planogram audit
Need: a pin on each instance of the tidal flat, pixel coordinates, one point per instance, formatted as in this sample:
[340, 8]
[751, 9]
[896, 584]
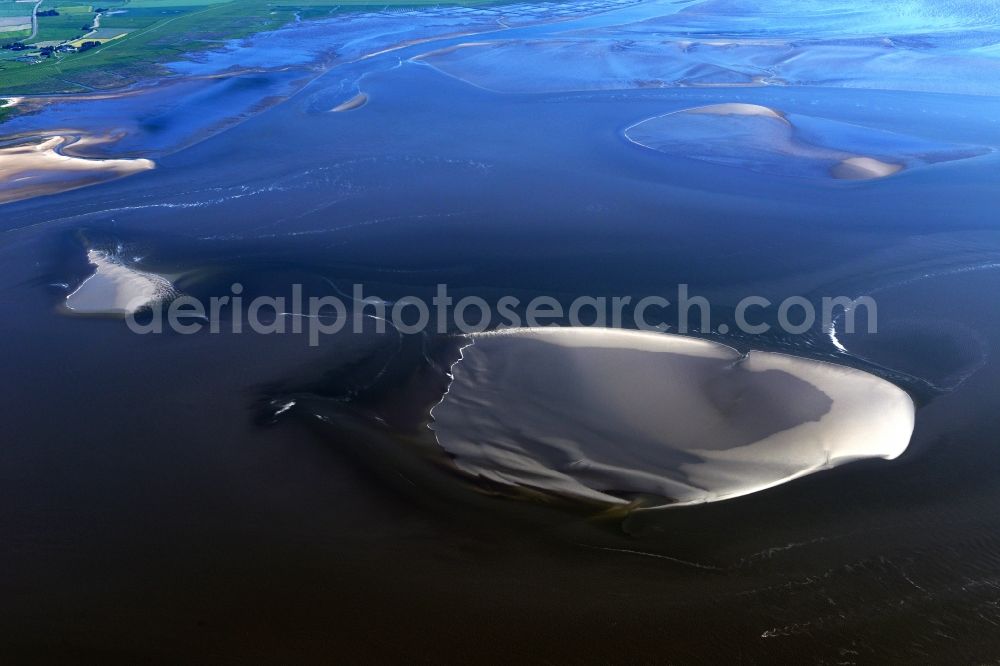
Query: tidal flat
[232, 496]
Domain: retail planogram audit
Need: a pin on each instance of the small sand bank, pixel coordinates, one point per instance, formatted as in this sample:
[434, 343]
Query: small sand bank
[766, 140]
[738, 109]
[355, 102]
[649, 419]
[861, 168]
[33, 169]
[116, 289]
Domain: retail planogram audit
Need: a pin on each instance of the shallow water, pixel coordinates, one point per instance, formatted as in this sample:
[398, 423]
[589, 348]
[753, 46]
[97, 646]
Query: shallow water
[156, 501]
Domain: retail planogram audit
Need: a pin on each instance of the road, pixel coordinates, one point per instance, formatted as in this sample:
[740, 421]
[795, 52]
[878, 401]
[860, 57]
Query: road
[34, 21]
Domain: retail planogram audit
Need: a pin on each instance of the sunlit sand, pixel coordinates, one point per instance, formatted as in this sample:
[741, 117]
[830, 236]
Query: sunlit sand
[31, 169]
[860, 168]
[766, 140]
[116, 289]
[738, 109]
[355, 102]
[617, 416]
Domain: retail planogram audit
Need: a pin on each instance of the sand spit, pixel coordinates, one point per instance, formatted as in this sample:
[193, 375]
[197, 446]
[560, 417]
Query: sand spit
[32, 169]
[626, 417]
[116, 289]
[766, 140]
[355, 102]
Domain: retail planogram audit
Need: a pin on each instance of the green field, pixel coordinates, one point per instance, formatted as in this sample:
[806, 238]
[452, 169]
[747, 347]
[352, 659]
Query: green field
[62, 27]
[11, 15]
[11, 8]
[159, 31]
